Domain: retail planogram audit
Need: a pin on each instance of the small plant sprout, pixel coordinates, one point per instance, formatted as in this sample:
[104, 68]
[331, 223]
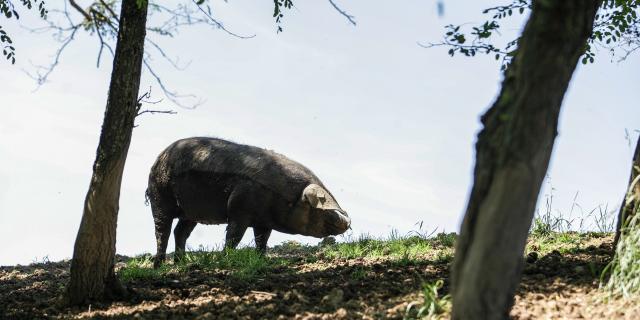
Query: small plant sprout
[432, 305]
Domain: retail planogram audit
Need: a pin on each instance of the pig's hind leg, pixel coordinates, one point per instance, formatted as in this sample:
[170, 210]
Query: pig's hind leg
[165, 209]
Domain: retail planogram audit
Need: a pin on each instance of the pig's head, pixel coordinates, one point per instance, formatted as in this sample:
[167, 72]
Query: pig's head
[317, 214]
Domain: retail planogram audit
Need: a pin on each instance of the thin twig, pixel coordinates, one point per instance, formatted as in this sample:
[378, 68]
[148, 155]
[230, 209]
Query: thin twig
[42, 78]
[174, 63]
[344, 13]
[102, 42]
[142, 99]
[106, 6]
[171, 95]
[219, 25]
[156, 112]
[79, 9]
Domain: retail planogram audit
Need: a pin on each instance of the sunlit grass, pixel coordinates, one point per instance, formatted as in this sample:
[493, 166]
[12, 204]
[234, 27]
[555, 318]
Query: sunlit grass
[563, 242]
[141, 268]
[242, 264]
[246, 264]
[403, 248]
[433, 305]
[624, 269]
[570, 230]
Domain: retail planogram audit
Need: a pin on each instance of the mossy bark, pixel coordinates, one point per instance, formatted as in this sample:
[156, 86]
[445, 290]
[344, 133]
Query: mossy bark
[512, 157]
[92, 274]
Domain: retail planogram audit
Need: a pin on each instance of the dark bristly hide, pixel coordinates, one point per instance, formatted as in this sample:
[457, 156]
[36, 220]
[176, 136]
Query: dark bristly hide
[213, 181]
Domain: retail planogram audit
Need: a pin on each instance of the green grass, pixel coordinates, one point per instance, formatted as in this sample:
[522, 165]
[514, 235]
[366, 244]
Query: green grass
[432, 304]
[444, 256]
[294, 248]
[568, 231]
[549, 219]
[246, 264]
[403, 250]
[358, 274]
[563, 242]
[365, 246]
[447, 240]
[141, 268]
[624, 269]
[243, 264]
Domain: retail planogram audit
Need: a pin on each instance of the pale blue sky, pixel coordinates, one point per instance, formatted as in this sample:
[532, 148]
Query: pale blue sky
[387, 125]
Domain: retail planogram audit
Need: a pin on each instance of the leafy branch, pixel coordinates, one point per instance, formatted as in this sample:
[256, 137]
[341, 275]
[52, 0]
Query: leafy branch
[8, 9]
[617, 29]
[278, 6]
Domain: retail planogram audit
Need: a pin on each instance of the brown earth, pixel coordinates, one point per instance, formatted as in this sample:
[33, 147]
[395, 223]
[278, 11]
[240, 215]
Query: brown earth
[555, 286]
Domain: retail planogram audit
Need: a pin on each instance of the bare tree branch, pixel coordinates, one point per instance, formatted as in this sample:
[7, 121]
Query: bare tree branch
[219, 25]
[144, 99]
[108, 8]
[101, 18]
[156, 112]
[42, 72]
[174, 63]
[79, 9]
[103, 44]
[344, 13]
[171, 95]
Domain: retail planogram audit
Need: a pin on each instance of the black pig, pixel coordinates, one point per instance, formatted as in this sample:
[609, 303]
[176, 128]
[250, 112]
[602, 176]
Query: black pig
[213, 181]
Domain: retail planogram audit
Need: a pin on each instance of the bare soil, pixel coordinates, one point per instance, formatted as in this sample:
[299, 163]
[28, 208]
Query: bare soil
[554, 286]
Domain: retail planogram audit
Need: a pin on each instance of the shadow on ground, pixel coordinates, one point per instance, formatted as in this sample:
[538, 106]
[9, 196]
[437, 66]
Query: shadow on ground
[324, 289]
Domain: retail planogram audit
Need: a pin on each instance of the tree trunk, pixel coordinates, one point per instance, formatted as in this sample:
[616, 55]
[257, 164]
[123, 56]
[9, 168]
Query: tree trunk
[512, 156]
[630, 203]
[92, 275]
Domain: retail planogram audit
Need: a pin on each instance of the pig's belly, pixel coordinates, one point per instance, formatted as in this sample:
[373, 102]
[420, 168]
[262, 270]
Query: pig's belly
[202, 199]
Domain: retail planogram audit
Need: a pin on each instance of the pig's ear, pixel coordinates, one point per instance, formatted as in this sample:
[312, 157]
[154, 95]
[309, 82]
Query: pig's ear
[319, 198]
[314, 195]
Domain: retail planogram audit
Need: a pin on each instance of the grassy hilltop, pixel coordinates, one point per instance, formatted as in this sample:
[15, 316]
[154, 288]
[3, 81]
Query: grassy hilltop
[399, 277]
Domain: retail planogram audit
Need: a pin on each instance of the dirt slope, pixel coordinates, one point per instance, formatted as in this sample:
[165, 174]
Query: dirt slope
[558, 284]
